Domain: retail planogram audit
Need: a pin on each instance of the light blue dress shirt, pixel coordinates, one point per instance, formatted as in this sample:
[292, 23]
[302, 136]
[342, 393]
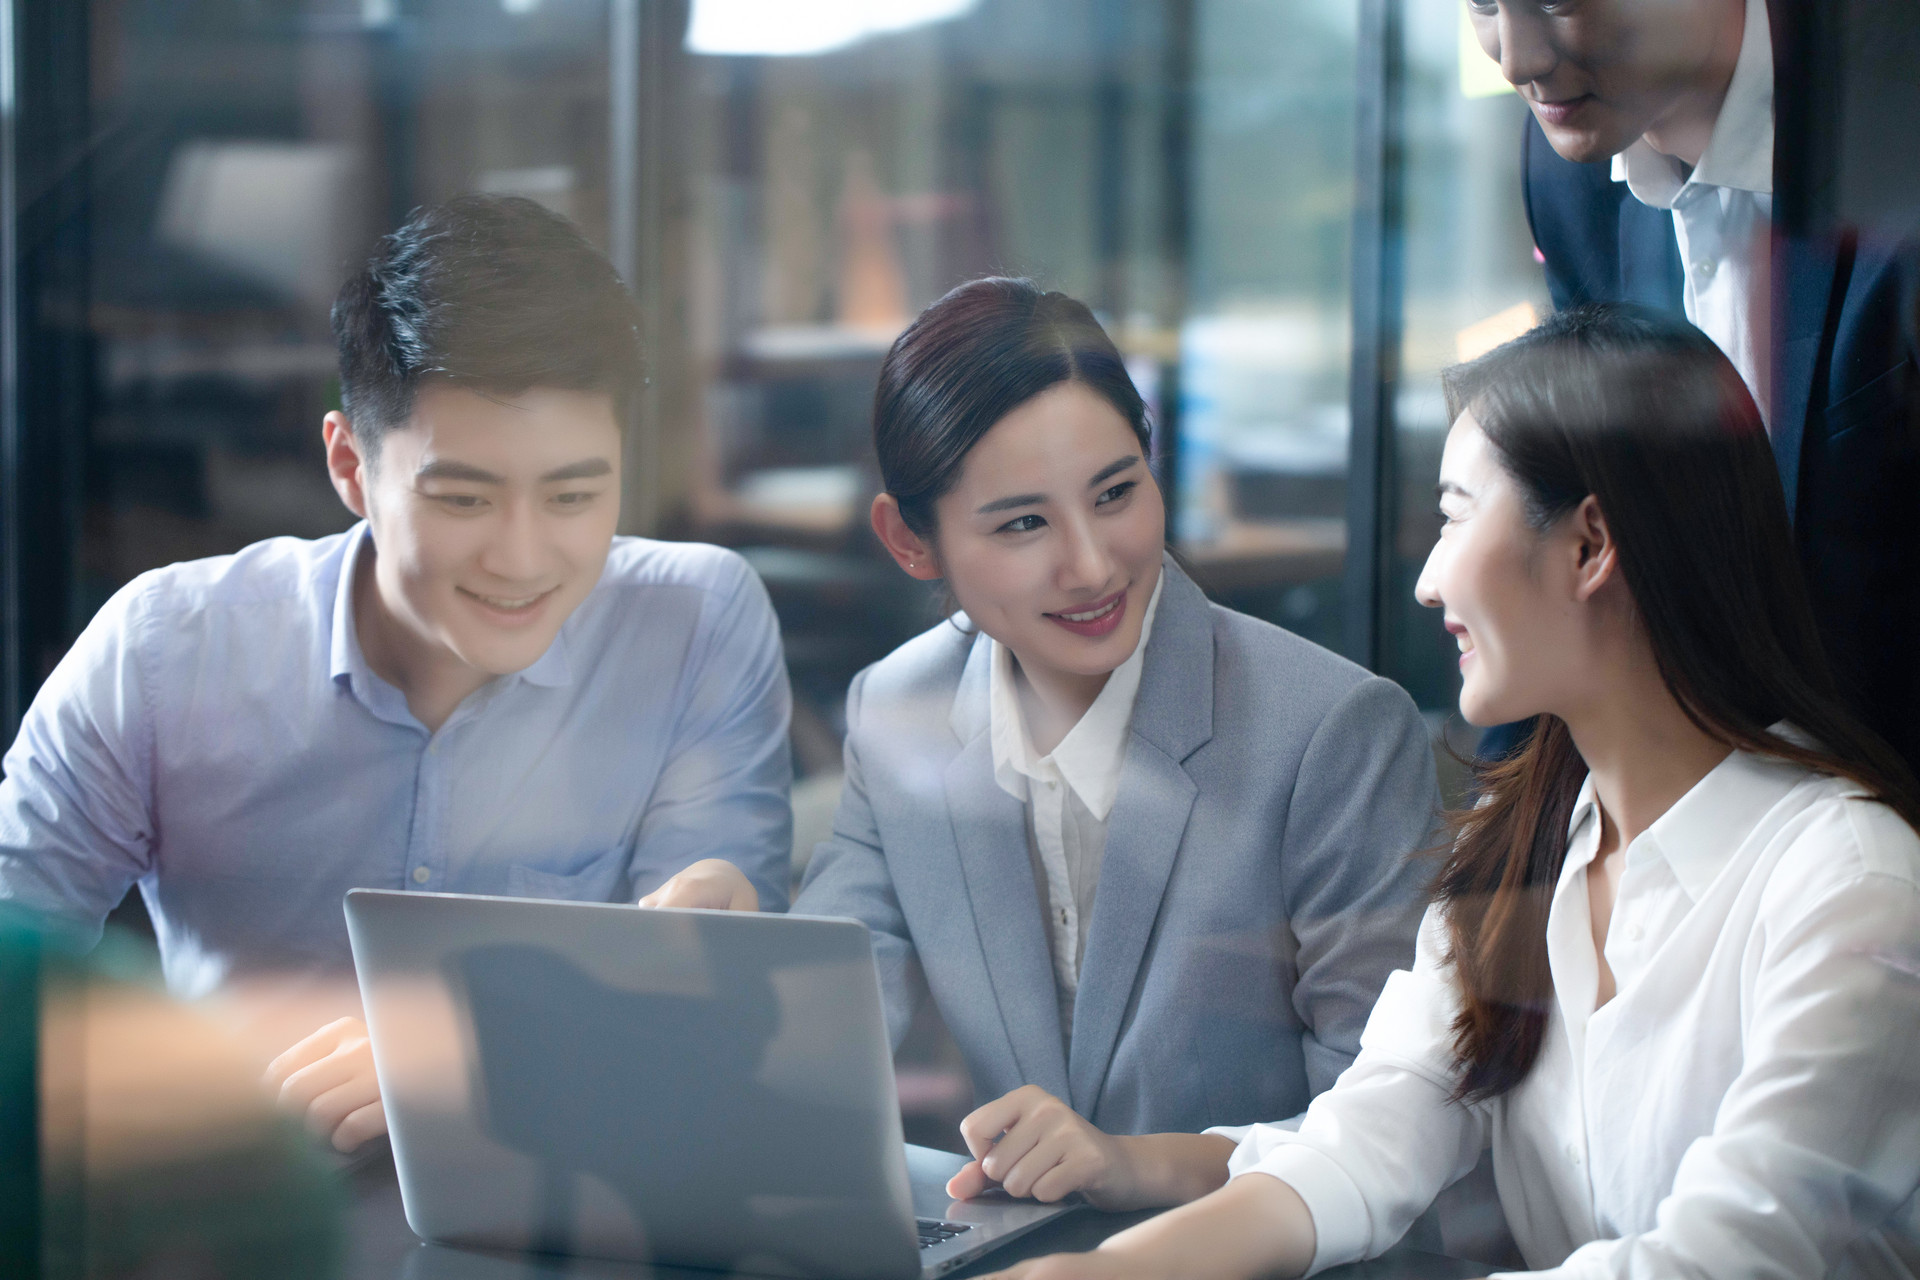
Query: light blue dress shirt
[216, 736]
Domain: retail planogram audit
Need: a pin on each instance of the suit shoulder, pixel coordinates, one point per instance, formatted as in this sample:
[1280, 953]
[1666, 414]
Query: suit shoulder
[928, 664]
[1251, 655]
[1243, 638]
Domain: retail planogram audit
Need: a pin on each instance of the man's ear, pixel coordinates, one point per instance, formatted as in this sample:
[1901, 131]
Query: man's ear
[908, 549]
[1596, 554]
[348, 464]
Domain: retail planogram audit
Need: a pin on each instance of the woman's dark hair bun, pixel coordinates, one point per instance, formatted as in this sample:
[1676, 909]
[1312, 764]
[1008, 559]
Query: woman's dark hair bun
[971, 358]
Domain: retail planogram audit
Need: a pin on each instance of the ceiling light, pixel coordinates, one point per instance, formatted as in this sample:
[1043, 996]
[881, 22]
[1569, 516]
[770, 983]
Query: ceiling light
[783, 28]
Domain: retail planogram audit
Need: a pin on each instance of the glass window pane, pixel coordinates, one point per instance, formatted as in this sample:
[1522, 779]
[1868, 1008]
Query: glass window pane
[249, 153]
[1263, 423]
[1471, 283]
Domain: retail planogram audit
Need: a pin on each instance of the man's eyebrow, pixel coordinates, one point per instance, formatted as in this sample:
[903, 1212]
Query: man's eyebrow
[446, 469]
[1446, 487]
[1008, 504]
[585, 469]
[1111, 470]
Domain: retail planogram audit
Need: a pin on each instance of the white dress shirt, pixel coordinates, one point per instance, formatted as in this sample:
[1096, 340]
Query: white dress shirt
[1723, 210]
[1747, 1105]
[1068, 794]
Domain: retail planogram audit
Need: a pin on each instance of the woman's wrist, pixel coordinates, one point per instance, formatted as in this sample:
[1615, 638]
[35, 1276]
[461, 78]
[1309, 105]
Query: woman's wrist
[1166, 1169]
[1253, 1227]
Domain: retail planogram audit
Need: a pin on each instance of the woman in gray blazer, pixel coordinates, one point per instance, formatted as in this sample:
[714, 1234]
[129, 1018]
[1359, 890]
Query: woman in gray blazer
[1150, 857]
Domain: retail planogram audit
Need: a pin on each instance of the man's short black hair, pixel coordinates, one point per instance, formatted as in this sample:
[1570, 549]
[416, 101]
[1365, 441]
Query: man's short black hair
[494, 293]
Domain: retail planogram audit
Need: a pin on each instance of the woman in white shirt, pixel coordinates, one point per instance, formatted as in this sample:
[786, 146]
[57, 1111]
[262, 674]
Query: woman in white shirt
[1672, 972]
[1148, 856]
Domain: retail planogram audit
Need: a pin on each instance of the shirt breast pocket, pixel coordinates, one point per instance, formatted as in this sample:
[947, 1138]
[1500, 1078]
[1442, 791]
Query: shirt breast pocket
[602, 880]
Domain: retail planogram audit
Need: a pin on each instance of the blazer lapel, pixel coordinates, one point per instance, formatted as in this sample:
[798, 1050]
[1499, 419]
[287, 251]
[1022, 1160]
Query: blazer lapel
[1804, 272]
[1172, 718]
[1651, 273]
[990, 831]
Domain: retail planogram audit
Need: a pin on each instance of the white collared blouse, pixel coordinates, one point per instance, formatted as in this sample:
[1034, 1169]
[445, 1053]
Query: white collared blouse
[1747, 1105]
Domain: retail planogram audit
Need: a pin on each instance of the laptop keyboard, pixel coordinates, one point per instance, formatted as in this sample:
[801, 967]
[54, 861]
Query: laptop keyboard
[933, 1231]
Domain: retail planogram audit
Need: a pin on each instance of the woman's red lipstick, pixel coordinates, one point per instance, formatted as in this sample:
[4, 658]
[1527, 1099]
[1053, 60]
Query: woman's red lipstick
[1114, 607]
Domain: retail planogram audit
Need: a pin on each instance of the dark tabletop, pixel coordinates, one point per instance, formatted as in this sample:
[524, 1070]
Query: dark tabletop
[383, 1248]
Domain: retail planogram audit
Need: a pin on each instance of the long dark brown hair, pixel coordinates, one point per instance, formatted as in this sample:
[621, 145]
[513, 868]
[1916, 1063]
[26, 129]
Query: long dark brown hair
[1645, 414]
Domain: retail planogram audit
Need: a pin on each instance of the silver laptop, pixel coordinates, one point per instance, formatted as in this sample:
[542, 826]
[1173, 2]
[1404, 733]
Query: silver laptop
[693, 1088]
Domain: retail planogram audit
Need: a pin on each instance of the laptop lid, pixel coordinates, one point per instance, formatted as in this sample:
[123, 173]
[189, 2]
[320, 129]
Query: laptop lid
[698, 1088]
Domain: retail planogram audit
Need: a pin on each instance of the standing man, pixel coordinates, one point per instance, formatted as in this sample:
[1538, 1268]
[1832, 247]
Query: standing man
[476, 689]
[1648, 176]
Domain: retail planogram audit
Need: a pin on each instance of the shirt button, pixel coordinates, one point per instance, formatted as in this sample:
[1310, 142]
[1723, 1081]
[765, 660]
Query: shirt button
[1573, 1153]
[1706, 267]
[421, 875]
[1635, 933]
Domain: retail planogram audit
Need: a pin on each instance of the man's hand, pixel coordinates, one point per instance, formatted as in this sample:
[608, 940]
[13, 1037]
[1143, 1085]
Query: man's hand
[328, 1081]
[711, 882]
[1034, 1145]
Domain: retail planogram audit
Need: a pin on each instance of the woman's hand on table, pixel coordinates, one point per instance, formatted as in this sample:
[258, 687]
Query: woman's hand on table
[1033, 1145]
[713, 883]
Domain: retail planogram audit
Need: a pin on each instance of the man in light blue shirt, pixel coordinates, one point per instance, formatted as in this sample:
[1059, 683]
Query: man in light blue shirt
[478, 689]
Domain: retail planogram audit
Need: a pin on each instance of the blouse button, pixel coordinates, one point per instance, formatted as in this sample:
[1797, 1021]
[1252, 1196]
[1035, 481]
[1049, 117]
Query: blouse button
[1635, 933]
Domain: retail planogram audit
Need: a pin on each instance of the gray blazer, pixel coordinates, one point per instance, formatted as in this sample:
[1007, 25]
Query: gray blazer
[1255, 893]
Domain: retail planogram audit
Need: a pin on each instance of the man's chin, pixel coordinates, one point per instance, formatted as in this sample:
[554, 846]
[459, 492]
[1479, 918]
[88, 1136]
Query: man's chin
[496, 659]
[1586, 146]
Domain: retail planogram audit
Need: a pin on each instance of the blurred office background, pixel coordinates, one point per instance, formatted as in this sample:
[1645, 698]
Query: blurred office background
[1290, 214]
[786, 186]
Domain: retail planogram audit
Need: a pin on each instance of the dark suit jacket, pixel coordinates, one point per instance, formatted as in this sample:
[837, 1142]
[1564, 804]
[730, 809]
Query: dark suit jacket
[1845, 417]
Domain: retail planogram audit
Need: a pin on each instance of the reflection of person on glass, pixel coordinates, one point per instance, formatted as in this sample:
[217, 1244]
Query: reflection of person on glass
[646, 1045]
[1670, 972]
[478, 689]
[1648, 176]
[1150, 856]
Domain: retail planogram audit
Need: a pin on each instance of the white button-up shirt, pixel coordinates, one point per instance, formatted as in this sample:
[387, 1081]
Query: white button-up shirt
[1723, 210]
[1068, 794]
[1747, 1105]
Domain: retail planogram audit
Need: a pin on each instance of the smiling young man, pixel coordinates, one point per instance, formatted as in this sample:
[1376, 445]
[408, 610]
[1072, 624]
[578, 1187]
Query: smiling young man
[1648, 174]
[478, 688]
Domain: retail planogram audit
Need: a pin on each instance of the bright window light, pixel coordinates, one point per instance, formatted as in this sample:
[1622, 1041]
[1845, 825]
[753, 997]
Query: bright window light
[784, 28]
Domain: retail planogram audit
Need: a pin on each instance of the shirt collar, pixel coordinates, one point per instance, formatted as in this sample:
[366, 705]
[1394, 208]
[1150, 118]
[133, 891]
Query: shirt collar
[1703, 829]
[1739, 155]
[347, 664]
[1088, 759]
